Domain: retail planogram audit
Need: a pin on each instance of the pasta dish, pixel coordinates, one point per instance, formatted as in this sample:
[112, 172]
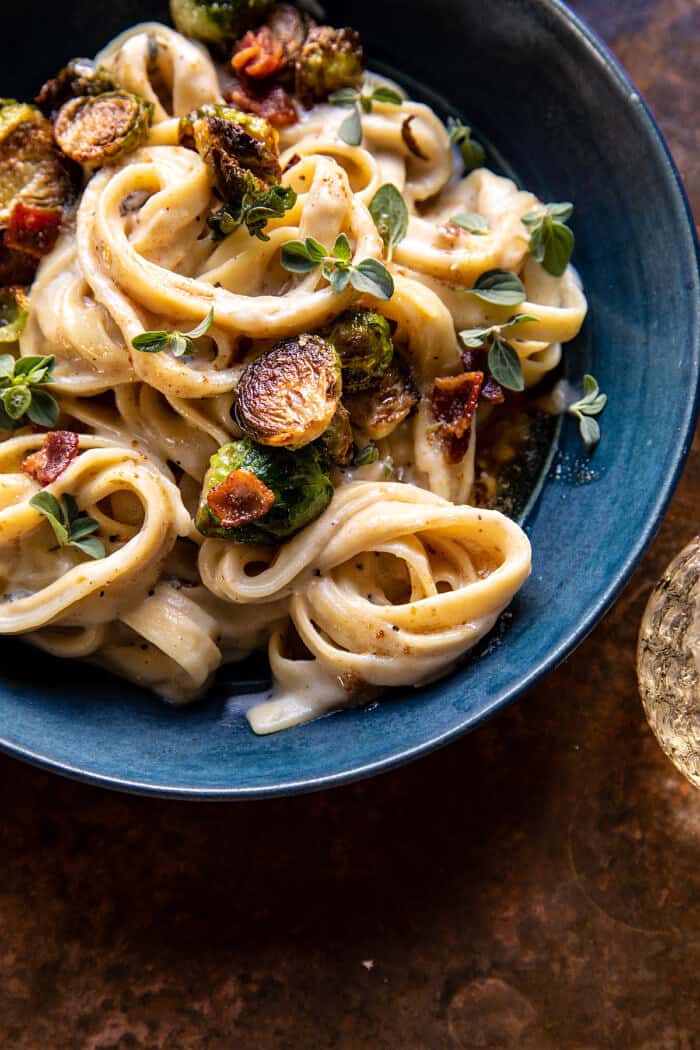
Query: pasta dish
[257, 307]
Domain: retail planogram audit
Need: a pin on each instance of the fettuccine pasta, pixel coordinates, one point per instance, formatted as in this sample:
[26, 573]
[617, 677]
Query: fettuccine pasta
[393, 575]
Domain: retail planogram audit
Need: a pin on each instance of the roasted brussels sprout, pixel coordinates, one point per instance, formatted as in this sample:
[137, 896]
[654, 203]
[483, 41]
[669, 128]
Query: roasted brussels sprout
[255, 494]
[337, 439]
[288, 395]
[96, 130]
[14, 310]
[329, 60]
[217, 21]
[239, 148]
[362, 339]
[34, 180]
[79, 77]
[379, 411]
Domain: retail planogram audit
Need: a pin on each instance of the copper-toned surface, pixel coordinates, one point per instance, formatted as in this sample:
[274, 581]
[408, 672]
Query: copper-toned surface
[535, 886]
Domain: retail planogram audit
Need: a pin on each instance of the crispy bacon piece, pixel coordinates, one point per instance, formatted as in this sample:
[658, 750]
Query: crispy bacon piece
[272, 103]
[59, 449]
[477, 361]
[258, 55]
[240, 499]
[15, 267]
[33, 229]
[454, 400]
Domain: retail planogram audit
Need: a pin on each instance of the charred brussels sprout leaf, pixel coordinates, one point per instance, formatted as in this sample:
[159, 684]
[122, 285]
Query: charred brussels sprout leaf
[298, 481]
[379, 411]
[288, 395]
[337, 438]
[362, 339]
[330, 59]
[80, 77]
[96, 130]
[217, 21]
[14, 310]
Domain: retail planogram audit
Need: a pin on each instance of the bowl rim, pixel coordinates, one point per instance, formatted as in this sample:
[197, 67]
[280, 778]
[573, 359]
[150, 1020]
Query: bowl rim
[565, 646]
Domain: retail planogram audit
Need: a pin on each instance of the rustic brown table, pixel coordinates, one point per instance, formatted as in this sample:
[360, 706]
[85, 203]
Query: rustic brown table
[535, 886]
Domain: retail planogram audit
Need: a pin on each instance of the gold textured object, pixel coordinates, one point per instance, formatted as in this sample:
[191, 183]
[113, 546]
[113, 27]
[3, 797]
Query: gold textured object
[668, 661]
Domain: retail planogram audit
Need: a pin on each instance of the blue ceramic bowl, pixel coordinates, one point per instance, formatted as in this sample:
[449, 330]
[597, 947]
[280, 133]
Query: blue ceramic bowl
[549, 99]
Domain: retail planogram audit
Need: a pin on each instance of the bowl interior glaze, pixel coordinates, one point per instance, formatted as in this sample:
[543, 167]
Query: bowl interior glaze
[547, 97]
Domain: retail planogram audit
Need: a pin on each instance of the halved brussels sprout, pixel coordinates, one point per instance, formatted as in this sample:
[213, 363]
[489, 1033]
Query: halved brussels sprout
[329, 60]
[337, 439]
[288, 395]
[31, 169]
[99, 130]
[241, 480]
[80, 77]
[379, 411]
[217, 21]
[362, 339]
[239, 148]
[14, 310]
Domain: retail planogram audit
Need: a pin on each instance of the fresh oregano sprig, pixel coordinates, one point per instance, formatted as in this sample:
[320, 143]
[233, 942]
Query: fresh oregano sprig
[22, 396]
[364, 456]
[337, 266]
[350, 130]
[180, 343]
[472, 222]
[472, 152]
[503, 360]
[498, 286]
[71, 528]
[551, 240]
[390, 214]
[591, 404]
[255, 212]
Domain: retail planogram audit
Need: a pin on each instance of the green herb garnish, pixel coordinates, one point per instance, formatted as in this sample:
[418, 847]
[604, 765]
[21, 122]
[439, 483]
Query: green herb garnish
[71, 528]
[472, 222]
[551, 241]
[21, 395]
[498, 286]
[473, 154]
[255, 212]
[365, 456]
[503, 360]
[180, 343]
[337, 267]
[591, 404]
[350, 130]
[390, 214]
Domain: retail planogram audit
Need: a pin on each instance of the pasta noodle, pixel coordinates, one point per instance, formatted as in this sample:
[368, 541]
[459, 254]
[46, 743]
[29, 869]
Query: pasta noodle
[399, 576]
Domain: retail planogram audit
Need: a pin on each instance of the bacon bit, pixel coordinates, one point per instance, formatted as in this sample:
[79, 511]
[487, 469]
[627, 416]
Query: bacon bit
[477, 361]
[240, 499]
[32, 229]
[15, 267]
[59, 449]
[291, 163]
[454, 400]
[258, 55]
[274, 104]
